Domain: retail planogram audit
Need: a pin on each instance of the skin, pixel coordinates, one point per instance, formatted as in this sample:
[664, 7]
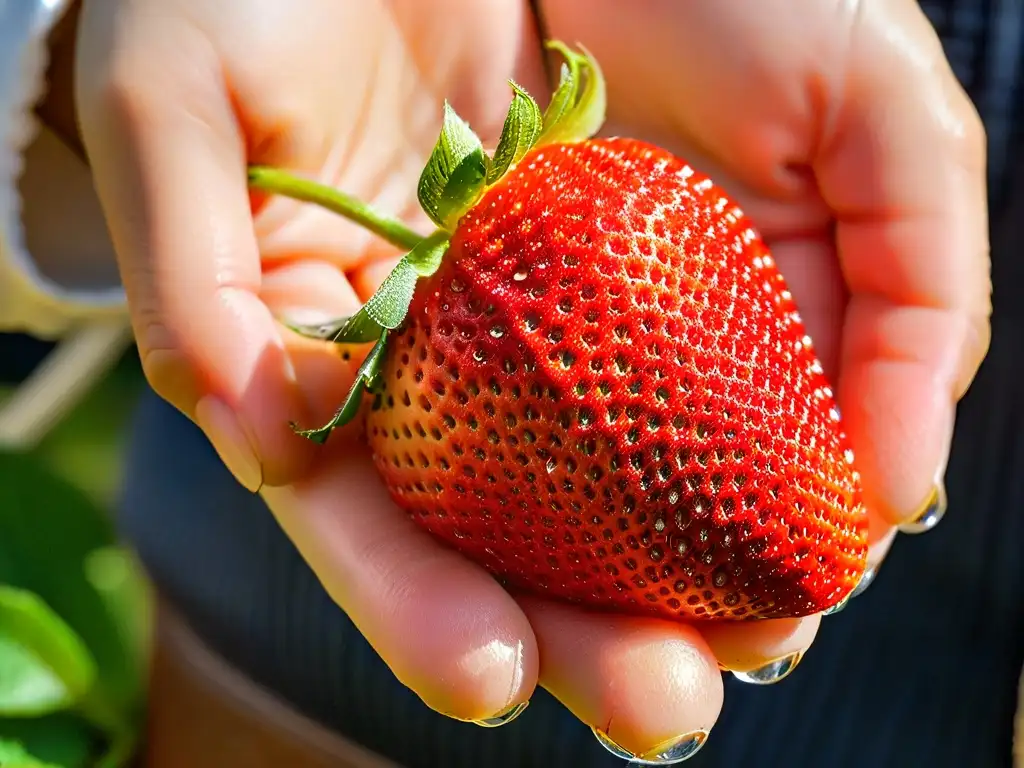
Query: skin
[839, 127]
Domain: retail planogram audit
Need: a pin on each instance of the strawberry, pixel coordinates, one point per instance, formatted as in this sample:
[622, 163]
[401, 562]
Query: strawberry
[593, 381]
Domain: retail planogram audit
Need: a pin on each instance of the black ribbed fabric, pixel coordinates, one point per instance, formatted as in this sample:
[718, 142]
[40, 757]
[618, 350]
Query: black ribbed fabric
[983, 39]
[921, 672]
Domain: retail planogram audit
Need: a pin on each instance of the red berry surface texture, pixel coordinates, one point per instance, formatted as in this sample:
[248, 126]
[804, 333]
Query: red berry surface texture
[606, 394]
[592, 379]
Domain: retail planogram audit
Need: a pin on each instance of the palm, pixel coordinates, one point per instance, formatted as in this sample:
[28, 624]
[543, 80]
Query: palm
[369, 112]
[351, 93]
[376, 151]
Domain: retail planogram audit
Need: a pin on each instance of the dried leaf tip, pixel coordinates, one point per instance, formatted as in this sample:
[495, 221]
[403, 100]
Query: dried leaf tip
[577, 108]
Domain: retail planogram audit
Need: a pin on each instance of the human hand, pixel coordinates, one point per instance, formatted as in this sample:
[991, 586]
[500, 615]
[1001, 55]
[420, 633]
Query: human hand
[845, 137]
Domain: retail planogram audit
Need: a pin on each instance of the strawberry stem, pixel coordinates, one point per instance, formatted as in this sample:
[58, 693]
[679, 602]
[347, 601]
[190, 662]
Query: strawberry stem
[283, 183]
[456, 175]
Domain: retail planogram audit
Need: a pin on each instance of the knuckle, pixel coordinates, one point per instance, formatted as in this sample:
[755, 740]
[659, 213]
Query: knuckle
[968, 133]
[113, 84]
[122, 95]
[974, 352]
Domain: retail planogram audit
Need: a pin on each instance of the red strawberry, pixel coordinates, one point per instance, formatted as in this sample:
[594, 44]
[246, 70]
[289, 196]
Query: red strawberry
[602, 390]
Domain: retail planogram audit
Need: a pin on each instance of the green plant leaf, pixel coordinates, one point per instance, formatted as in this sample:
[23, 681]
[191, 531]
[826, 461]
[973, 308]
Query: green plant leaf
[577, 108]
[27, 686]
[522, 127]
[427, 256]
[60, 739]
[13, 755]
[386, 310]
[562, 99]
[389, 305]
[390, 302]
[455, 174]
[48, 528]
[117, 576]
[44, 666]
[365, 377]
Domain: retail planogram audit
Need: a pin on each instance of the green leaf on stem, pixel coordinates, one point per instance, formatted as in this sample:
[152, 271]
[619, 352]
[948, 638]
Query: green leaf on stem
[44, 665]
[390, 302]
[577, 108]
[365, 379]
[385, 311]
[389, 305]
[562, 99]
[426, 257]
[523, 124]
[29, 688]
[455, 174]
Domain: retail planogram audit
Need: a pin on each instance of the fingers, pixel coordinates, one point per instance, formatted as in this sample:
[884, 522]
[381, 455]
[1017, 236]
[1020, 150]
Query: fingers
[861, 94]
[647, 685]
[750, 646]
[308, 292]
[313, 292]
[904, 171]
[368, 276]
[169, 164]
[445, 627]
[813, 276]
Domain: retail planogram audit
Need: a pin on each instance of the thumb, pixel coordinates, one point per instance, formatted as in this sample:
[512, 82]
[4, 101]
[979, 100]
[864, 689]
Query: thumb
[170, 169]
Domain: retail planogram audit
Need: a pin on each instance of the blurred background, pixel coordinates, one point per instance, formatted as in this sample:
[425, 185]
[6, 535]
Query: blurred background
[74, 610]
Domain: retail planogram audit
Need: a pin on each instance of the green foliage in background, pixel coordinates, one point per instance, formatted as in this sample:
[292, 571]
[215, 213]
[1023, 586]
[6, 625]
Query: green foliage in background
[74, 606]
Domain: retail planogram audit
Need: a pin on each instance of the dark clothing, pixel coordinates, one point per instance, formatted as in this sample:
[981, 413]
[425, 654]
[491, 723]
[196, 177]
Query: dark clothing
[921, 671]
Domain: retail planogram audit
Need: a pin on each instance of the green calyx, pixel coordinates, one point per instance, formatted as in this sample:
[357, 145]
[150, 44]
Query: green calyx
[459, 171]
[456, 176]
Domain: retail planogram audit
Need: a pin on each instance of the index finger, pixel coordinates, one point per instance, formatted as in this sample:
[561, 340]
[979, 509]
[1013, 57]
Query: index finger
[904, 172]
[170, 169]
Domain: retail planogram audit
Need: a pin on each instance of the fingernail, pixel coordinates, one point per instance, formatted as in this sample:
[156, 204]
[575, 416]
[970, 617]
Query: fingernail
[304, 316]
[221, 427]
[772, 672]
[930, 513]
[865, 581]
[841, 605]
[671, 752]
[504, 718]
